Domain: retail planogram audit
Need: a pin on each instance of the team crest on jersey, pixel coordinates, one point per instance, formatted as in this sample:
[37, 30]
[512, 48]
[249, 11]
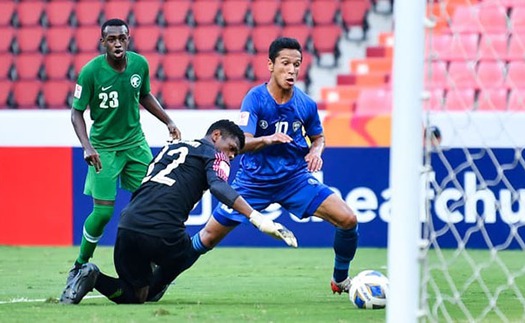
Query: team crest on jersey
[221, 166]
[135, 80]
[296, 125]
[78, 91]
[263, 124]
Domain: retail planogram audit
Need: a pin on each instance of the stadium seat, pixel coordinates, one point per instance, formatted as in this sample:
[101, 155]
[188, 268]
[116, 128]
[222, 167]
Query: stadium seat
[174, 94]
[434, 101]
[371, 65]
[306, 64]
[300, 32]
[339, 93]
[459, 100]
[260, 67]
[206, 38]
[326, 39]
[493, 19]
[145, 12]
[27, 94]
[324, 11]
[492, 99]
[517, 20]
[493, 47]
[205, 94]
[262, 37]
[234, 12]
[453, 47]
[175, 66]
[175, 12]
[29, 13]
[516, 101]
[81, 59]
[515, 75]
[155, 86]
[87, 39]
[145, 38]
[58, 13]
[7, 39]
[29, 39]
[5, 91]
[233, 93]
[435, 75]
[294, 12]
[6, 64]
[28, 65]
[7, 8]
[154, 62]
[462, 75]
[205, 12]
[57, 93]
[491, 74]
[374, 102]
[235, 38]
[516, 49]
[57, 66]
[205, 65]
[176, 38]
[235, 65]
[58, 39]
[264, 12]
[465, 19]
[353, 13]
[88, 13]
[117, 9]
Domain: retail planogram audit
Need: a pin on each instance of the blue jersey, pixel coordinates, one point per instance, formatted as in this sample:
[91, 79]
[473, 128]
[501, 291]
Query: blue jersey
[262, 116]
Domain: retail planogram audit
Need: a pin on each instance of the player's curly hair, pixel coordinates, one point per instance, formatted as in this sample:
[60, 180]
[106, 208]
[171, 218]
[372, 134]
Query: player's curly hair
[283, 43]
[113, 22]
[228, 128]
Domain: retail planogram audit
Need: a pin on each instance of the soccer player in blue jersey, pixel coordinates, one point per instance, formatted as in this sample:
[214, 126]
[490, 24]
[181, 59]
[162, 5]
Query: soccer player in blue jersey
[279, 120]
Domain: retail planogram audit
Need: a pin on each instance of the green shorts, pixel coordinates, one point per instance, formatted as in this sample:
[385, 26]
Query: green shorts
[129, 165]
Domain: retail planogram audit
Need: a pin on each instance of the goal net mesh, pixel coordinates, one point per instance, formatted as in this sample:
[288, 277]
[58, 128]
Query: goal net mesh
[473, 236]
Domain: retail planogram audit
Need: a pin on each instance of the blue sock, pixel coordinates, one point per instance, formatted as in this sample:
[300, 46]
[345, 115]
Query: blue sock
[345, 245]
[197, 244]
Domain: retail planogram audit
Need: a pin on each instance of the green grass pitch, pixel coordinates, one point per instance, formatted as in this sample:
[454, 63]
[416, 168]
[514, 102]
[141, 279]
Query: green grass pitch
[226, 285]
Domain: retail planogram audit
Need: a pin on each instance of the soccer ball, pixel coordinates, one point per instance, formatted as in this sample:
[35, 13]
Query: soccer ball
[369, 290]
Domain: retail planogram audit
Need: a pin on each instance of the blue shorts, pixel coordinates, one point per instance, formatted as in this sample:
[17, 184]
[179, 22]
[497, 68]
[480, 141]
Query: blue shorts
[300, 195]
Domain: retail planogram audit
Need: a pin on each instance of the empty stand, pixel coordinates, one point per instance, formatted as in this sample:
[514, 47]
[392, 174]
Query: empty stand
[29, 13]
[5, 91]
[326, 39]
[58, 39]
[57, 94]
[29, 39]
[6, 64]
[176, 38]
[324, 11]
[516, 49]
[306, 63]
[262, 37]
[493, 46]
[8, 37]
[145, 12]
[453, 47]
[234, 12]
[233, 93]
[260, 67]
[516, 101]
[154, 62]
[493, 19]
[462, 75]
[435, 75]
[205, 94]
[175, 65]
[28, 66]
[81, 59]
[515, 75]
[117, 9]
[353, 13]
[517, 20]
[7, 8]
[492, 99]
[58, 13]
[235, 38]
[459, 100]
[434, 100]
[300, 32]
[374, 102]
[205, 12]
[264, 12]
[206, 65]
[235, 65]
[155, 87]
[491, 74]
[465, 19]
[371, 65]
[145, 38]
[174, 94]
[294, 12]
[27, 94]
[87, 39]
[87, 13]
[175, 12]
[57, 66]
[206, 38]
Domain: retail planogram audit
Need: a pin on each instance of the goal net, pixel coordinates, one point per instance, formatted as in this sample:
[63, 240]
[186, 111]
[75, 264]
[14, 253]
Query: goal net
[473, 235]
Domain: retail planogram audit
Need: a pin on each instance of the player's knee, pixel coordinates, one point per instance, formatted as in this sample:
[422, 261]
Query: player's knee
[349, 221]
[141, 294]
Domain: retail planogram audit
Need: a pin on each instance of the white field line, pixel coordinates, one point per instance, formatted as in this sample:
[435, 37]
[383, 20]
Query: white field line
[38, 300]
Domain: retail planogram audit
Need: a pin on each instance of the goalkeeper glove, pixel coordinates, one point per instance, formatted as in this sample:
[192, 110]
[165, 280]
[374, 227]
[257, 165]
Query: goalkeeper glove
[273, 229]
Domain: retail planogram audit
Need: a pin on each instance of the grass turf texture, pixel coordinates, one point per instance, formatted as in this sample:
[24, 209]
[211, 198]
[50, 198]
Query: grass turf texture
[226, 285]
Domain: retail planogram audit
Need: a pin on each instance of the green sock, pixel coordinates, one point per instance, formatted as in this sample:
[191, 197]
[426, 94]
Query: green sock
[93, 230]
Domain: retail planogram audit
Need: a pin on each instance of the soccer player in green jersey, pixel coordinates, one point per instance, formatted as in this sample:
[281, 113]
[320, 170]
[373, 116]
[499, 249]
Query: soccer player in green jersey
[112, 85]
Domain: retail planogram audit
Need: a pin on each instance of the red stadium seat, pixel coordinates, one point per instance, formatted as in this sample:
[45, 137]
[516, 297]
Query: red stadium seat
[87, 39]
[264, 12]
[260, 67]
[493, 18]
[462, 75]
[27, 94]
[7, 8]
[454, 47]
[294, 12]
[491, 74]
[235, 65]
[205, 65]
[435, 75]
[493, 47]
[492, 100]
[235, 38]
[6, 63]
[145, 12]
[300, 32]
[205, 94]
[145, 38]
[117, 9]
[233, 93]
[87, 13]
[234, 12]
[435, 100]
[374, 102]
[516, 101]
[465, 19]
[175, 65]
[57, 93]
[353, 13]
[175, 12]
[174, 94]
[262, 37]
[29, 39]
[28, 66]
[305, 66]
[5, 91]
[29, 13]
[8, 37]
[154, 61]
[517, 20]
[326, 38]
[58, 39]
[57, 66]
[206, 38]
[155, 87]
[58, 12]
[324, 11]
[515, 75]
[81, 59]
[204, 12]
[516, 49]
[176, 38]
[459, 100]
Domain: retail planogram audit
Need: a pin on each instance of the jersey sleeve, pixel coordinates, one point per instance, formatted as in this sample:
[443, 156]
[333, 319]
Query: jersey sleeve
[83, 89]
[248, 115]
[313, 126]
[217, 171]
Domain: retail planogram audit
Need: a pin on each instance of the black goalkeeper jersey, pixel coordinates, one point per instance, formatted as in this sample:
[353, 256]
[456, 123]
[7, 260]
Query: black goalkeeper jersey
[176, 180]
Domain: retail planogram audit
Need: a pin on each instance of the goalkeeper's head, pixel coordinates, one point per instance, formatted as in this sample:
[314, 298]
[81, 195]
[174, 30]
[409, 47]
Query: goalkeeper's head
[227, 137]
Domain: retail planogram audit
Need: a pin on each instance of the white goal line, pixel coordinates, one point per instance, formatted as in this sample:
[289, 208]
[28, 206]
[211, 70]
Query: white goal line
[39, 300]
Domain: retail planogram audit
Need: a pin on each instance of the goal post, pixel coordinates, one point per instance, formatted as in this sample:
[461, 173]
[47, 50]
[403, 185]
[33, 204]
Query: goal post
[406, 156]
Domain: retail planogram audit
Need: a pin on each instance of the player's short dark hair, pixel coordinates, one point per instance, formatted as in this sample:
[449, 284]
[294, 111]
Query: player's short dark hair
[113, 22]
[228, 129]
[283, 43]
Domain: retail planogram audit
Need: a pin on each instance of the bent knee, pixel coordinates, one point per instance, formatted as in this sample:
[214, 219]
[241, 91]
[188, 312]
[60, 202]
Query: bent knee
[142, 294]
[348, 222]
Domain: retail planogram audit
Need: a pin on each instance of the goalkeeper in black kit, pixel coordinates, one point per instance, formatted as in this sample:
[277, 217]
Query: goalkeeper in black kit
[152, 246]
